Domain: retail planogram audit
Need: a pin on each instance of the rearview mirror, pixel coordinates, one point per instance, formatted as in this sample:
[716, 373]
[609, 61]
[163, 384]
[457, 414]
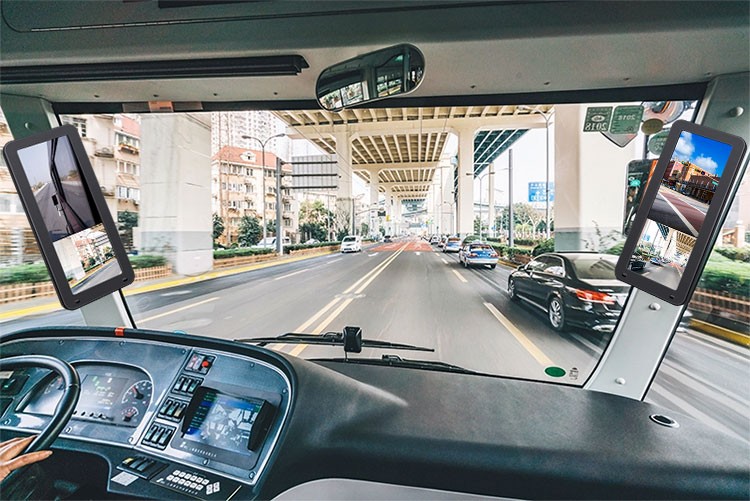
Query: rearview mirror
[384, 73]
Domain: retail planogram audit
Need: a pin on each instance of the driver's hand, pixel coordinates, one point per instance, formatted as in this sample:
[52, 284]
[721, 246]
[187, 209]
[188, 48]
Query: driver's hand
[12, 448]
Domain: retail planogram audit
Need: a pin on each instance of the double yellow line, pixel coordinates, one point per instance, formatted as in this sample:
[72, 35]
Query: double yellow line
[339, 303]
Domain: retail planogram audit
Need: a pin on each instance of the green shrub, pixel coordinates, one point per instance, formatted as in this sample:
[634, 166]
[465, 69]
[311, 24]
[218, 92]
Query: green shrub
[724, 275]
[240, 251]
[735, 253]
[544, 246]
[147, 261]
[296, 247]
[615, 249]
[24, 273]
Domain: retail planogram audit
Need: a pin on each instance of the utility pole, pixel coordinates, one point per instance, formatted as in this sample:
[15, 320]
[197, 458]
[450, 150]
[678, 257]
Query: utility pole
[263, 171]
[510, 198]
[279, 226]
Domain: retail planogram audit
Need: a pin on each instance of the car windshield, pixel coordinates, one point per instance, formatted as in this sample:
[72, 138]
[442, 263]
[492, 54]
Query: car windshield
[597, 268]
[350, 239]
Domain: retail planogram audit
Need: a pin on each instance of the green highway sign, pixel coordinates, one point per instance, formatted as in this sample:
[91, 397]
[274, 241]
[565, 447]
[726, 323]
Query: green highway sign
[626, 119]
[597, 119]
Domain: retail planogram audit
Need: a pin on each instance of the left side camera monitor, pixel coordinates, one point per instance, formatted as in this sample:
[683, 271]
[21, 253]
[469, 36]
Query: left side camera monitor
[68, 215]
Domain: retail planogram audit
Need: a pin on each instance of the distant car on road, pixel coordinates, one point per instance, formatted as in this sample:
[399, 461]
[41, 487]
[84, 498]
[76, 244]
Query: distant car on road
[312, 241]
[452, 244]
[442, 241]
[636, 264]
[656, 261]
[387, 239]
[576, 288]
[434, 239]
[477, 253]
[351, 243]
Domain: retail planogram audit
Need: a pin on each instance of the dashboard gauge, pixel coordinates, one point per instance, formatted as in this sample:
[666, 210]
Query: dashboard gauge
[54, 385]
[129, 413]
[138, 395]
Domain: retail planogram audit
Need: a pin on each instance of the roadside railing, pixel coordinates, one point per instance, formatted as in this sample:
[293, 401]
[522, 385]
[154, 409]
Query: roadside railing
[721, 305]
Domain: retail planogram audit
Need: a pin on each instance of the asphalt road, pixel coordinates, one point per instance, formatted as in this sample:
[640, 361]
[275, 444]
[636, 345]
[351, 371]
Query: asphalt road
[668, 275]
[678, 211]
[109, 270]
[406, 292]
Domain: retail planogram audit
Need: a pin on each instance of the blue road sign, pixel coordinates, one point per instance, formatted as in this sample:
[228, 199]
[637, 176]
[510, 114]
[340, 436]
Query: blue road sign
[536, 192]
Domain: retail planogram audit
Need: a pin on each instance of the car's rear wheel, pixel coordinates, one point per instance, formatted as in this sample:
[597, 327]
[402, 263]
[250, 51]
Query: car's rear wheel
[512, 290]
[556, 314]
[492, 266]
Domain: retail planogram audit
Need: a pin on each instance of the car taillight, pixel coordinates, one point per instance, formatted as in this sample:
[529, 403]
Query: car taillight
[594, 296]
[473, 254]
[493, 254]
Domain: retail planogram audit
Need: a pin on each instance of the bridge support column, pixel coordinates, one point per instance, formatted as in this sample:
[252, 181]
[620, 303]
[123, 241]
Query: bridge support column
[491, 200]
[344, 214]
[175, 216]
[465, 202]
[374, 195]
[587, 163]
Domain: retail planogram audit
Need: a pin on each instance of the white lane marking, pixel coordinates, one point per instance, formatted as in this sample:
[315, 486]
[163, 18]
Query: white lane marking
[679, 214]
[446, 262]
[175, 293]
[373, 254]
[587, 343]
[419, 253]
[334, 260]
[293, 273]
[177, 310]
[319, 314]
[459, 276]
[358, 291]
[683, 406]
[705, 387]
[374, 270]
[530, 347]
[711, 342]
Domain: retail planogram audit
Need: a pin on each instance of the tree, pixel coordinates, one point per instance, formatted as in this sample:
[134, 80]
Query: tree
[364, 229]
[271, 227]
[313, 230]
[249, 232]
[127, 220]
[218, 227]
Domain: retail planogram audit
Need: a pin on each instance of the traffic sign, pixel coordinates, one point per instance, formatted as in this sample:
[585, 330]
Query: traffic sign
[536, 192]
[597, 119]
[626, 119]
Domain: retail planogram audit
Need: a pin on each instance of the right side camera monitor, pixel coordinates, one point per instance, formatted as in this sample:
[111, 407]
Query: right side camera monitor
[680, 211]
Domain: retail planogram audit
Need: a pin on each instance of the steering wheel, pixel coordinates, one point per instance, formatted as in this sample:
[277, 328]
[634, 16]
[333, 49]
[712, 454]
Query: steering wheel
[64, 409]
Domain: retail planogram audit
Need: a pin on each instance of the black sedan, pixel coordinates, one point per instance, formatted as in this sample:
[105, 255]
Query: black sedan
[573, 288]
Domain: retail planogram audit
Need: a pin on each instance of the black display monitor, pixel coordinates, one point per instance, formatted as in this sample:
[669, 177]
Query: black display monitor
[68, 215]
[679, 216]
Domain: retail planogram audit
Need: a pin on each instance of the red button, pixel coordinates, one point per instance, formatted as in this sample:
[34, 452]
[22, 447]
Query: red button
[205, 363]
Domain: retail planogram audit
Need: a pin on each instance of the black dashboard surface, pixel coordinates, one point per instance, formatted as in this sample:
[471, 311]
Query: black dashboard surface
[466, 433]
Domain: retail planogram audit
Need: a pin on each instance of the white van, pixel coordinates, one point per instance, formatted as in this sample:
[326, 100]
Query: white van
[351, 243]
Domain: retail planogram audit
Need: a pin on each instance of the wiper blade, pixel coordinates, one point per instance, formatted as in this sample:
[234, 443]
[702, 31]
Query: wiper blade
[329, 338]
[396, 361]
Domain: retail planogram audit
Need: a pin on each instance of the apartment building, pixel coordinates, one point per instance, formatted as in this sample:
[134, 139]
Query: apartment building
[237, 188]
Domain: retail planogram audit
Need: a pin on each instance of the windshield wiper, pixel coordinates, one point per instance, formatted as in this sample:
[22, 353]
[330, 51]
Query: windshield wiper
[350, 339]
[396, 361]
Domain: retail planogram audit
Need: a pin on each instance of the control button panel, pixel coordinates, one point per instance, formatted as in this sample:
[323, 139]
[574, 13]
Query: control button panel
[196, 484]
[186, 385]
[141, 466]
[158, 436]
[200, 363]
[173, 409]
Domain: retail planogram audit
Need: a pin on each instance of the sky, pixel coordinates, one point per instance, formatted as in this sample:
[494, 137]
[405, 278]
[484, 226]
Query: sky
[708, 154]
[35, 163]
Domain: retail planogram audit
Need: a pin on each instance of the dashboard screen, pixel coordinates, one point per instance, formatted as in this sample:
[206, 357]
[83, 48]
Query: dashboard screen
[221, 425]
[102, 392]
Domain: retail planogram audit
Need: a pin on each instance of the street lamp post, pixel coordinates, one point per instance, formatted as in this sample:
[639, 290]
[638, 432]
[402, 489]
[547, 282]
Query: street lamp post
[547, 117]
[263, 171]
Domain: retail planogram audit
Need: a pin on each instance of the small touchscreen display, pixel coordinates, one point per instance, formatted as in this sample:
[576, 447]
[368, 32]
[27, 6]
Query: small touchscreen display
[676, 217]
[223, 421]
[224, 427]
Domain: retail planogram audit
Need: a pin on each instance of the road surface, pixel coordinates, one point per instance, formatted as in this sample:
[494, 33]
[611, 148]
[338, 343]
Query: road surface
[109, 270]
[406, 292]
[678, 211]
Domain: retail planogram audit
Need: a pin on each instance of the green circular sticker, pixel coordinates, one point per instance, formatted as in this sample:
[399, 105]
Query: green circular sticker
[652, 126]
[554, 371]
